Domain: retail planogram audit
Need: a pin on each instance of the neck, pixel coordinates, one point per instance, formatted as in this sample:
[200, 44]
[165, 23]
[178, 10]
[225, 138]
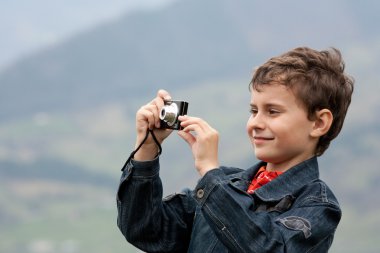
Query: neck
[284, 166]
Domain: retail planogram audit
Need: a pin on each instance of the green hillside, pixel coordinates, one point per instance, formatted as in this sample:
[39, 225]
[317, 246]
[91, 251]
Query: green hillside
[67, 118]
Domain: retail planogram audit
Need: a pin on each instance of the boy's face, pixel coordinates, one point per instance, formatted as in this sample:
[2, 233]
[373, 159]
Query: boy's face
[279, 128]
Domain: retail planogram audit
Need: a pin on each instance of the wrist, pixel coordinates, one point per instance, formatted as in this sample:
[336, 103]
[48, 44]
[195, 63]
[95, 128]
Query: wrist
[203, 168]
[148, 148]
[147, 152]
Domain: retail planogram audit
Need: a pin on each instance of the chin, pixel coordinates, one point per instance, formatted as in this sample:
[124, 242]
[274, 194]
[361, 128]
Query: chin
[262, 157]
[265, 157]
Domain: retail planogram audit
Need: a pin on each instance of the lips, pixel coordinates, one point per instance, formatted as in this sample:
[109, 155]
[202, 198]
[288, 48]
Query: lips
[261, 139]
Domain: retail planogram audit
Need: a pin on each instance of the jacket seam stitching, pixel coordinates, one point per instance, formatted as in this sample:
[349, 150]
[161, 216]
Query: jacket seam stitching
[224, 229]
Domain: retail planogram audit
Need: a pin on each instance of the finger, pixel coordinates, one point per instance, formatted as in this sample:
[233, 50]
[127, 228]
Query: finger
[164, 95]
[159, 101]
[203, 131]
[187, 121]
[155, 106]
[198, 131]
[147, 114]
[188, 137]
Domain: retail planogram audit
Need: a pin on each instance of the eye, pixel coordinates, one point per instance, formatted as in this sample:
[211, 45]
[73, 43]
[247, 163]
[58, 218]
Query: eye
[253, 111]
[273, 112]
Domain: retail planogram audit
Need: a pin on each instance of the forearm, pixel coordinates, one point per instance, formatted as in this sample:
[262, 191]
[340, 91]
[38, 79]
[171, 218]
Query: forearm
[135, 196]
[143, 218]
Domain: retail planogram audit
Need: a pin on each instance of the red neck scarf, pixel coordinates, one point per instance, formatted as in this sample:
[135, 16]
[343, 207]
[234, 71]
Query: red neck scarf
[261, 178]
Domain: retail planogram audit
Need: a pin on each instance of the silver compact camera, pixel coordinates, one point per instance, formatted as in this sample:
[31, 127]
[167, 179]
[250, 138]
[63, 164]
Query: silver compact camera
[169, 114]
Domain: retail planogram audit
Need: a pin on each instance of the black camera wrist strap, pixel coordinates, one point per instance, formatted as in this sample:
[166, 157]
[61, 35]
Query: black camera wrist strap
[140, 145]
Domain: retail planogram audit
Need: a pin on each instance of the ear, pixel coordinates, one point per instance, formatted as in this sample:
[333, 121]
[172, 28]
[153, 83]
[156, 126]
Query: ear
[322, 123]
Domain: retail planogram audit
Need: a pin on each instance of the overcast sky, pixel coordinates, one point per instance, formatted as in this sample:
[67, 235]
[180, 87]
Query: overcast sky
[29, 25]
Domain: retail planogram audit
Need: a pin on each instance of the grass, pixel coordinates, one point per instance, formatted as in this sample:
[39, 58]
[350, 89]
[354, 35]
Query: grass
[81, 220]
[93, 231]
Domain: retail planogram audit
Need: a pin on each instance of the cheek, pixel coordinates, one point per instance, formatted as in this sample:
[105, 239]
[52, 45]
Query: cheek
[249, 127]
[285, 133]
[290, 136]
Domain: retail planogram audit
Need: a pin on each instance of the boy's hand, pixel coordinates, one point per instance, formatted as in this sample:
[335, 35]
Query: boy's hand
[147, 117]
[203, 141]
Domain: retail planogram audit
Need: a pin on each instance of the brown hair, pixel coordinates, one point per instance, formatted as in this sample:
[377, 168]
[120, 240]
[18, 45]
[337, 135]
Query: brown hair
[318, 81]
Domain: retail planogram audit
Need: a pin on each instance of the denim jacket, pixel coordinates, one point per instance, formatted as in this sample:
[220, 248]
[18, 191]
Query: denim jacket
[296, 212]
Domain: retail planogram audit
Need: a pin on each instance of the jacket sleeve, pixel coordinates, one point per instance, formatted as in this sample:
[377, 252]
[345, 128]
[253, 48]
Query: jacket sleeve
[307, 227]
[144, 218]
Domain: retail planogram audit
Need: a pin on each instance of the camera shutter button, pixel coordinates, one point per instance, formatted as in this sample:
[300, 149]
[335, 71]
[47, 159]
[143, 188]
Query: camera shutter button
[200, 193]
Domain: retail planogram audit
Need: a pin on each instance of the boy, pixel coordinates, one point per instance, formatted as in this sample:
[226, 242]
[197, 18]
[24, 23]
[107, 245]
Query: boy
[298, 104]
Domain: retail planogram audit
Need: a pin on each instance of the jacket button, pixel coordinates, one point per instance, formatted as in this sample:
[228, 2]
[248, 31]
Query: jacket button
[200, 193]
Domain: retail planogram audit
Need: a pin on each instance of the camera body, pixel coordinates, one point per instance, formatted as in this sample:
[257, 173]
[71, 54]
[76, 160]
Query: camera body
[169, 114]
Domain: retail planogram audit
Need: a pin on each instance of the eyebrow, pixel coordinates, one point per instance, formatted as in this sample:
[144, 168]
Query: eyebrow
[267, 105]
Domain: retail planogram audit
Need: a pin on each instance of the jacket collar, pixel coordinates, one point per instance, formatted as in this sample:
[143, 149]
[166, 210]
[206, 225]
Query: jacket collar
[288, 182]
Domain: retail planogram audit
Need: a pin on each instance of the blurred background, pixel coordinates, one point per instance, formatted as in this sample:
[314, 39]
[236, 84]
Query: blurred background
[73, 74]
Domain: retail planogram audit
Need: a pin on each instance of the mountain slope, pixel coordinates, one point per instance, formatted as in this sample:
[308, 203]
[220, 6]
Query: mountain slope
[180, 45]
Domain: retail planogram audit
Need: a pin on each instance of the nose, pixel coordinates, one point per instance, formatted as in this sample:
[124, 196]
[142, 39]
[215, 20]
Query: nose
[255, 122]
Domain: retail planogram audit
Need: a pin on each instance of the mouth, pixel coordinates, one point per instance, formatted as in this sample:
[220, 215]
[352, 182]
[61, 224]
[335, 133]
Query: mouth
[261, 139]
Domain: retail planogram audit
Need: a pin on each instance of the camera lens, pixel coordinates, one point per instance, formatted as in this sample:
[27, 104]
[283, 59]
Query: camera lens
[163, 113]
[169, 114]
